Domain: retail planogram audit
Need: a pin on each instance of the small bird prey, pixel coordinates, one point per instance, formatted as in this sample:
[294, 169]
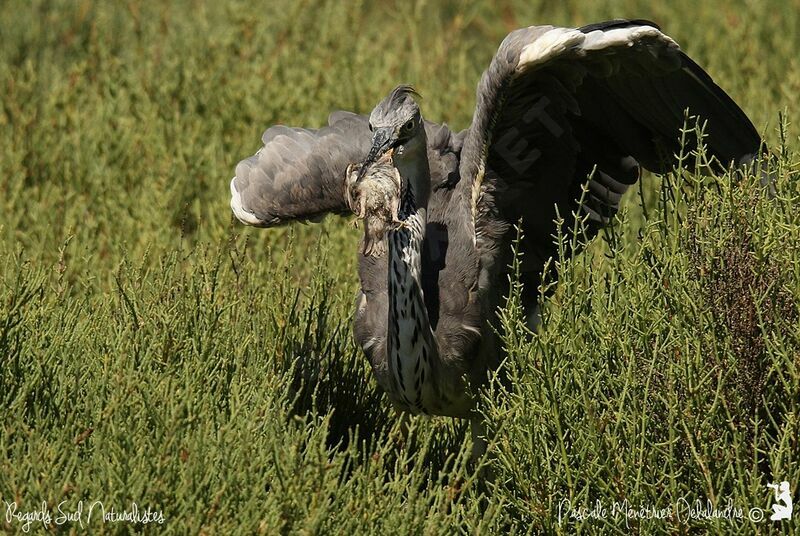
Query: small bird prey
[374, 197]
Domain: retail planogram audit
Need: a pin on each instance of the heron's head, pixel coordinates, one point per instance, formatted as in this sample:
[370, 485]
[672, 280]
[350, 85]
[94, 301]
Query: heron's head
[396, 125]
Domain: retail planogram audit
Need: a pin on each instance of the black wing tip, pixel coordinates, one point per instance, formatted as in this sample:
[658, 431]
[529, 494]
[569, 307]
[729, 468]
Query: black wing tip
[746, 127]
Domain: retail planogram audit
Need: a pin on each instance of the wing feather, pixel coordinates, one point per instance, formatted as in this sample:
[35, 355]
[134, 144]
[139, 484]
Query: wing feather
[299, 173]
[560, 107]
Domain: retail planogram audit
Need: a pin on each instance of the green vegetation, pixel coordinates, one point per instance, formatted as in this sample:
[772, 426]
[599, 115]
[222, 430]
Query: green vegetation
[154, 351]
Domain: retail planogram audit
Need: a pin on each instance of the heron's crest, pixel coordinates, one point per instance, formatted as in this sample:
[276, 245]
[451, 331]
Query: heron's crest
[398, 107]
[402, 92]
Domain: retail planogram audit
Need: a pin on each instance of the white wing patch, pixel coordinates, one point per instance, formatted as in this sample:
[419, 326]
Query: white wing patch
[241, 213]
[557, 41]
[549, 45]
[598, 39]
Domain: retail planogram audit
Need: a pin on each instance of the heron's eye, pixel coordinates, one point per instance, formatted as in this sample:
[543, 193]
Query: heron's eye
[408, 127]
[370, 127]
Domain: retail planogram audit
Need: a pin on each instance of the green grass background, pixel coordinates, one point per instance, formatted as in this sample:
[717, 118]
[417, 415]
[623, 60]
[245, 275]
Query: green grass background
[153, 350]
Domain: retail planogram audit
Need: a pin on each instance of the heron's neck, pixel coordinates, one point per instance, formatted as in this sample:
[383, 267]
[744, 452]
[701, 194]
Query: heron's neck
[411, 343]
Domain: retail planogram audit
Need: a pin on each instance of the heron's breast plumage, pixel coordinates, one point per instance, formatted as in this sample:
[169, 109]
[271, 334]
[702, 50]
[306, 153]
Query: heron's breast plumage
[410, 346]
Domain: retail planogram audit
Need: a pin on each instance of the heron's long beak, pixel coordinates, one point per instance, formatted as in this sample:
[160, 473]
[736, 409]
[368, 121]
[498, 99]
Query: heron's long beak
[382, 141]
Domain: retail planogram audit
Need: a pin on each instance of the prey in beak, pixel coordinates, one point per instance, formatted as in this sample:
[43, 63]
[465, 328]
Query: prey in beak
[374, 188]
[383, 141]
[373, 194]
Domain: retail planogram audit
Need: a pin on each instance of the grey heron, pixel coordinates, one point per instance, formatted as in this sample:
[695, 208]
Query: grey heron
[561, 114]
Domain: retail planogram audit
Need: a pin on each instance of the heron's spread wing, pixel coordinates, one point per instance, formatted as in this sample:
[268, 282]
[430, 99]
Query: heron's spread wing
[557, 105]
[299, 173]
